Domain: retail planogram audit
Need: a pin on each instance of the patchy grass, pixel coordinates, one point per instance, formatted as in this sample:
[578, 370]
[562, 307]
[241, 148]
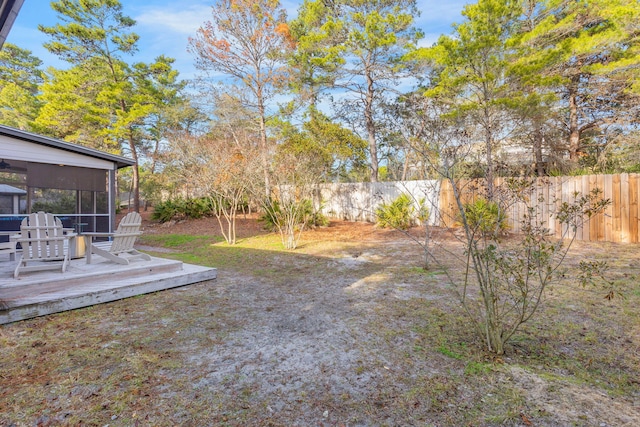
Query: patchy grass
[175, 240]
[339, 332]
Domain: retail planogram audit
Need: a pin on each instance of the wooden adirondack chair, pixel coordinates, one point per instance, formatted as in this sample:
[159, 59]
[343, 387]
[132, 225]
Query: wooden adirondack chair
[43, 239]
[121, 243]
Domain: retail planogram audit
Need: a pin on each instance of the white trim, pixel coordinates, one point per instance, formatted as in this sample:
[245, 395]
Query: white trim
[16, 149]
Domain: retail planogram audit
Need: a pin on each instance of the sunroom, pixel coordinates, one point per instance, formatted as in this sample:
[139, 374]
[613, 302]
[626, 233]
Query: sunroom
[76, 183]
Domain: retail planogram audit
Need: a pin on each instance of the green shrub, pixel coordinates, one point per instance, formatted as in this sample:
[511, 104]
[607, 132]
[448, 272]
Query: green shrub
[303, 211]
[633, 169]
[183, 208]
[165, 211]
[400, 213]
[289, 217]
[485, 217]
[270, 215]
[318, 220]
[199, 207]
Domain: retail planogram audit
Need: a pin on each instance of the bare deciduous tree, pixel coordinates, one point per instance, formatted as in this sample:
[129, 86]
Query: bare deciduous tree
[221, 167]
[247, 40]
[290, 208]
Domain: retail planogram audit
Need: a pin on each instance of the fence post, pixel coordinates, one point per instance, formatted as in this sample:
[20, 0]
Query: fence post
[633, 208]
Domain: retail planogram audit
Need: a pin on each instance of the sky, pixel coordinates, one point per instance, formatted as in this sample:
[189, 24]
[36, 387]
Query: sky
[164, 27]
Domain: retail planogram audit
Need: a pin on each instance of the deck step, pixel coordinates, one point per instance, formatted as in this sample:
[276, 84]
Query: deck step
[82, 290]
[54, 284]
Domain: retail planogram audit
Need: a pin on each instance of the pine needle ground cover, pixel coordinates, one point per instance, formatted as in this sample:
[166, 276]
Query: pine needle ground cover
[346, 330]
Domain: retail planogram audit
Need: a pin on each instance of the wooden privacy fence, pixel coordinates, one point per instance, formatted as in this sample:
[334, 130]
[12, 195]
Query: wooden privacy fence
[618, 223]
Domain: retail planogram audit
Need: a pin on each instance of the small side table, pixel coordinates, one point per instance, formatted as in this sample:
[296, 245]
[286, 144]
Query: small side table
[77, 244]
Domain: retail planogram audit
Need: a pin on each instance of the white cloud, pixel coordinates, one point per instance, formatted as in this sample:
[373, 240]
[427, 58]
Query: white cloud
[184, 21]
[165, 28]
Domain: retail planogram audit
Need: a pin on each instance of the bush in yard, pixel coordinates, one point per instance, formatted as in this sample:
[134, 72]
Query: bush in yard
[198, 207]
[400, 214]
[269, 217]
[167, 210]
[485, 217]
[183, 208]
[289, 217]
[318, 219]
[504, 283]
[499, 283]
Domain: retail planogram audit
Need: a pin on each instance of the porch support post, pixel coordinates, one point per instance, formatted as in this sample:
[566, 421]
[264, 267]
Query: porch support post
[112, 199]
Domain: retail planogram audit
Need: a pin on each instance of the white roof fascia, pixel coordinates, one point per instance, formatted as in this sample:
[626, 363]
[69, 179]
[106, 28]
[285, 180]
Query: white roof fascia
[15, 149]
[56, 144]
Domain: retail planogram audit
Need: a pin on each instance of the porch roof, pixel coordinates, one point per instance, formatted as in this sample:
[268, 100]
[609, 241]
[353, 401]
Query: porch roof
[118, 161]
[8, 189]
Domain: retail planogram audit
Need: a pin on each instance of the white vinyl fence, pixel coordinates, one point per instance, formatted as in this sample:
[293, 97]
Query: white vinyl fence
[359, 201]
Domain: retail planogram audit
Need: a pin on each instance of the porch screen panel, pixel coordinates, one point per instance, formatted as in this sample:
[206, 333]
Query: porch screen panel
[66, 177]
[6, 204]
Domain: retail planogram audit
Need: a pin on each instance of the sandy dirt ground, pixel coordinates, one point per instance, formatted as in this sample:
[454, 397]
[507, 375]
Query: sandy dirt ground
[310, 340]
[345, 331]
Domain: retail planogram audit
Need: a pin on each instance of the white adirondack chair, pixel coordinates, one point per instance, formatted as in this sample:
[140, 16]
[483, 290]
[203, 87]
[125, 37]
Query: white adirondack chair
[43, 239]
[121, 241]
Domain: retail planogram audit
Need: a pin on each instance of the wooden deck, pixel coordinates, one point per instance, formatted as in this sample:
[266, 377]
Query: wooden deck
[82, 285]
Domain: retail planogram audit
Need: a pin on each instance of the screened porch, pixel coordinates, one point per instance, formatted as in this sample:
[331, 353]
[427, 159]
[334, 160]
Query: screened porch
[75, 183]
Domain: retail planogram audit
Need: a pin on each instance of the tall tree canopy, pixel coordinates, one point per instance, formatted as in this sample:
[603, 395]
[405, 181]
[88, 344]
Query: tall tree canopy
[589, 53]
[318, 52]
[471, 70]
[339, 154]
[557, 77]
[90, 29]
[247, 41]
[359, 43]
[20, 79]
[101, 98]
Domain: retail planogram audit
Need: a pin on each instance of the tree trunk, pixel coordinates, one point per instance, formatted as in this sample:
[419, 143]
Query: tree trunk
[264, 148]
[135, 178]
[405, 166]
[574, 129]
[537, 150]
[495, 341]
[487, 124]
[488, 139]
[371, 128]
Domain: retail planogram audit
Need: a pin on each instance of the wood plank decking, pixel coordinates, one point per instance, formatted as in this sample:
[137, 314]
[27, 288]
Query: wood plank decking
[82, 285]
